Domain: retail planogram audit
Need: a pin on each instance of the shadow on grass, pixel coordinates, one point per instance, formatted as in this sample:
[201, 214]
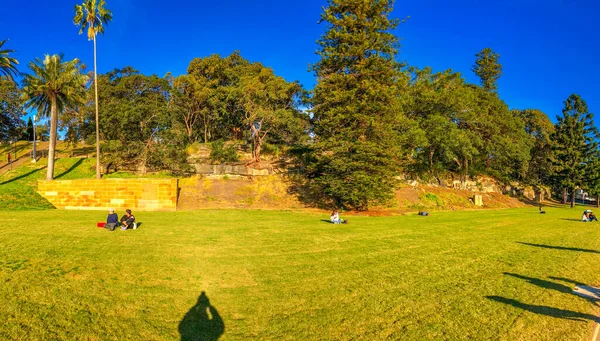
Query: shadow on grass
[542, 283]
[23, 176]
[560, 247]
[562, 279]
[571, 219]
[75, 165]
[201, 322]
[545, 310]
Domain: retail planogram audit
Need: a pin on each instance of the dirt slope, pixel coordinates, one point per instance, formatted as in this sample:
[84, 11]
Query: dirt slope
[274, 192]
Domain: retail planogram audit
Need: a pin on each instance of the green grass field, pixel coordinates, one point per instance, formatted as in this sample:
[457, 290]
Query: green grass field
[272, 275]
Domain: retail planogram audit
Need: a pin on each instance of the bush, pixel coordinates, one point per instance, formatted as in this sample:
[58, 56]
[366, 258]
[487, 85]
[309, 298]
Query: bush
[221, 153]
[271, 149]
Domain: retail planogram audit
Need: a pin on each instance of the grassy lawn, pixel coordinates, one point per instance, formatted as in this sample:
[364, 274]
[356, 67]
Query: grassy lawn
[502, 275]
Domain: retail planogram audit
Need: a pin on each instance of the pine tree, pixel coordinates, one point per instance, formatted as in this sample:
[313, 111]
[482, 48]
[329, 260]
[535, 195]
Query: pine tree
[355, 105]
[575, 146]
[29, 132]
[488, 68]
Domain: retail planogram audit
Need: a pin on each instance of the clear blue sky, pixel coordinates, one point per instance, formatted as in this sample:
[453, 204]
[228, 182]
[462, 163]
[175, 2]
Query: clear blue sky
[548, 48]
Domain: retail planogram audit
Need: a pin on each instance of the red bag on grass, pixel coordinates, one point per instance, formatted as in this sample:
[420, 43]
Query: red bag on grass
[101, 225]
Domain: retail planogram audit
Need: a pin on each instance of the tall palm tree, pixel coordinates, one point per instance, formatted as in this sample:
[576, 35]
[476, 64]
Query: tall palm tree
[54, 86]
[8, 65]
[93, 15]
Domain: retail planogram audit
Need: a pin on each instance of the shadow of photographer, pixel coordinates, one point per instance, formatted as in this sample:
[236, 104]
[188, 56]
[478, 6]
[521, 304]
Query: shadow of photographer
[202, 322]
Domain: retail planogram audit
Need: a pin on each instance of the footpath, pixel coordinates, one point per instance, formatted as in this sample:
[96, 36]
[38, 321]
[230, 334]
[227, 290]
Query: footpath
[24, 158]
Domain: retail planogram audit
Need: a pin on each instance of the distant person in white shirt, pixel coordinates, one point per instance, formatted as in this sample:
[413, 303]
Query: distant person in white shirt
[335, 218]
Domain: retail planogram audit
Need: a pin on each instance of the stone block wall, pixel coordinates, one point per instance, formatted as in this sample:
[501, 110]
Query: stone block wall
[120, 194]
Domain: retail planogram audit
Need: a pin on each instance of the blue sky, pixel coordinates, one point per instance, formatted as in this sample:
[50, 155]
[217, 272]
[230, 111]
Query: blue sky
[548, 48]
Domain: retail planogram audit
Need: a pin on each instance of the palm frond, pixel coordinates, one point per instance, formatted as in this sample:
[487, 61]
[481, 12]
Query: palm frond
[53, 78]
[92, 16]
[8, 64]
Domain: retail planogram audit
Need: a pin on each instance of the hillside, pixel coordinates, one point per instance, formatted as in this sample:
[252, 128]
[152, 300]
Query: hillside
[18, 191]
[278, 192]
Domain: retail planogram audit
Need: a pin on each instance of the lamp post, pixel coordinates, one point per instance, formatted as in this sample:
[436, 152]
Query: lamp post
[34, 142]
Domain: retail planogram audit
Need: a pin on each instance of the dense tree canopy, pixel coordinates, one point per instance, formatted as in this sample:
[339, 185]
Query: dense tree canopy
[488, 68]
[11, 110]
[575, 146]
[368, 121]
[356, 109]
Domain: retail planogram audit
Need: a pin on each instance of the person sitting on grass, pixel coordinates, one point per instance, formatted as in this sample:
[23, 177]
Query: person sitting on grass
[335, 218]
[587, 216]
[112, 220]
[127, 220]
[542, 210]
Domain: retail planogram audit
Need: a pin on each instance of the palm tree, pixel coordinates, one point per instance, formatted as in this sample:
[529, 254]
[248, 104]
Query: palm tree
[8, 65]
[92, 14]
[54, 86]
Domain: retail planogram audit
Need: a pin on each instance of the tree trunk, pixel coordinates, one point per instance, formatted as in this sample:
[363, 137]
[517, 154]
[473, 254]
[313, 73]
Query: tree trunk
[564, 196]
[572, 198]
[597, 200]
[205, 130]
[97, 123]
[257, 148]
[431, 160]
[52, 146]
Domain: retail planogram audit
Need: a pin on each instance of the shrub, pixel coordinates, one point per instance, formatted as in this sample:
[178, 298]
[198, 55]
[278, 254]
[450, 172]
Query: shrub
[221, 153]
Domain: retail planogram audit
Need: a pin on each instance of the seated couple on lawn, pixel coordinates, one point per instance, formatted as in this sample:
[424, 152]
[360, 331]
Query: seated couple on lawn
[127, 220]
[588, 215]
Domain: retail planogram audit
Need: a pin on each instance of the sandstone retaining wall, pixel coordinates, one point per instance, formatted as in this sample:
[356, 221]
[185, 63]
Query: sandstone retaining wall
[120, 194]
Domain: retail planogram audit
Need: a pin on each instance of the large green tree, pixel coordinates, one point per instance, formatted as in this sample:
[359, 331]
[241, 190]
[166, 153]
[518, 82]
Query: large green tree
[575, 146]
[269, 106]
[11, 110]
[539, 129]
[355, 106]
[92, 14]
[53, 87]
[488, 68]
[137, 124]
[231, 98]
[8, 64]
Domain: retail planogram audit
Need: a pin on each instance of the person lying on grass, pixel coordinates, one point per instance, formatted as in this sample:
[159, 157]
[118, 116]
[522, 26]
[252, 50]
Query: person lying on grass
[335, 218]
[112, 220]
[127, 220]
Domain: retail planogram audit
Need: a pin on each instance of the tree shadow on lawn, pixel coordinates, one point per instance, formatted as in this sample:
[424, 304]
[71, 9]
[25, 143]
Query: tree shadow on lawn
[75, 165]
[202, 322]
[23, 175]
[545, 310]
[560, 247]
[543, 283]
[571, 219]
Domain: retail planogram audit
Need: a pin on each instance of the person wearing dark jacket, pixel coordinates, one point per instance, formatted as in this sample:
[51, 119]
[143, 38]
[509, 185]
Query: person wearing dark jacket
[128, 220]
[112, 220]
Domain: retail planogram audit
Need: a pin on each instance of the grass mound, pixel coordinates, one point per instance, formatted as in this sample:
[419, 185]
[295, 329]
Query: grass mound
[18, 187]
